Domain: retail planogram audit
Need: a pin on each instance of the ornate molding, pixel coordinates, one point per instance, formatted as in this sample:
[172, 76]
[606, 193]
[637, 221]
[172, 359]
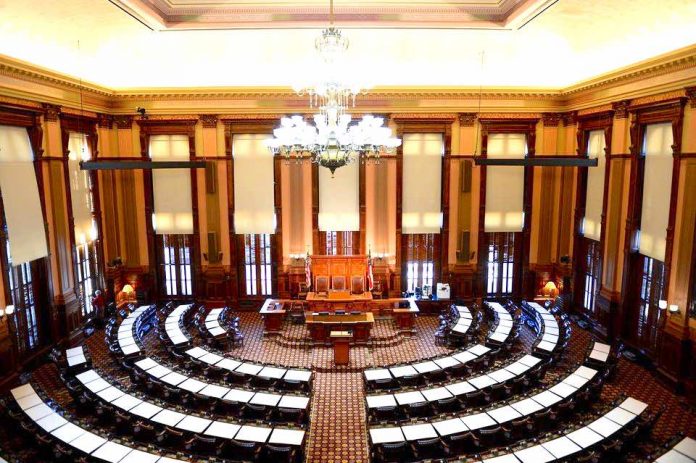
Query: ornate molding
[551, 119]
[105, 121]
[51, 112]
[569, 118]
[691, 95]
[424, 116]
[596, 109]
[620, 109]
[676, 61]
[467, 119]
[209, 121]
[510, 116]
[123, 122]
[657, 98]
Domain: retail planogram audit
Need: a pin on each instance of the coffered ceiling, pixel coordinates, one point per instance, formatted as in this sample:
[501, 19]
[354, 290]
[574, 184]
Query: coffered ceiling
[231, 14]
[135, 44]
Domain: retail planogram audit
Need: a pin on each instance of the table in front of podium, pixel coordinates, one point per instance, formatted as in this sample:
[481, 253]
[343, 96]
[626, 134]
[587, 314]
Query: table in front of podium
[321, 326]
[338, 300]
[403, 311]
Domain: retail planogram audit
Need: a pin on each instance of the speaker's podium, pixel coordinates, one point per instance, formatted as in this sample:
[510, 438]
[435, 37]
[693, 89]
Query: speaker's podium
[341, 345]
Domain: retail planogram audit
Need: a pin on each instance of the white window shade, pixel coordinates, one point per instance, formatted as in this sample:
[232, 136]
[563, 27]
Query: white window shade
[657, 187]
[171, 187]
[80, 196]
[339, 199]
[422, 179]
[254, 202]
[20, 195]
[594, 199]
[505, 185]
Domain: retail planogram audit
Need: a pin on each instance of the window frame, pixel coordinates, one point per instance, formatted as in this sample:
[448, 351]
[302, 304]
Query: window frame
[257, 266]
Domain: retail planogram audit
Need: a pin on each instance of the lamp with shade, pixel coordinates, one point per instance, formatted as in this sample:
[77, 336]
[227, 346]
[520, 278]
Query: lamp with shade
[674, 308]
[662, 304]
[550, 289]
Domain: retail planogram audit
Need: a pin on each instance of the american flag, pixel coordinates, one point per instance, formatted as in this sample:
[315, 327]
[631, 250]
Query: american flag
[370, 278]
[308, 271]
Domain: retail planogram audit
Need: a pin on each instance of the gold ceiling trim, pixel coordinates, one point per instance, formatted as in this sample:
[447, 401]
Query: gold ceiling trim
[111, 101]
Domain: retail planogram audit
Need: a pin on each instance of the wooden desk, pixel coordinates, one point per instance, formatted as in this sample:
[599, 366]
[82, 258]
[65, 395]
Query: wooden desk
[338, 300]
[321, 326]
[273, 313]
[405, 317]
[341, 344]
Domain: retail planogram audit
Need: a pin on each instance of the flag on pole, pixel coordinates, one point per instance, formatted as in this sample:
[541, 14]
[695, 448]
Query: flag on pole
[308, 271]
[370, 278]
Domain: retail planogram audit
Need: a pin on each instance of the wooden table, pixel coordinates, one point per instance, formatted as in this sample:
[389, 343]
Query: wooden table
[321, 326]
[341, 345]
[338, 300]
[273, 313]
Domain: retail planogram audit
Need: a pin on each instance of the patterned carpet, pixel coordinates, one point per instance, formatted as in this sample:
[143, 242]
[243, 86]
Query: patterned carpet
[338, 430]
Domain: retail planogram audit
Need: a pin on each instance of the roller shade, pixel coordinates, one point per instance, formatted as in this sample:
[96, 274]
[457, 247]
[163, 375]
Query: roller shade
[505, 185]
[592, 225]
[657, 181]
[80, 196]
[339, 199]
[422, 178]
[20, 195]
[254, 202]
[171, 187]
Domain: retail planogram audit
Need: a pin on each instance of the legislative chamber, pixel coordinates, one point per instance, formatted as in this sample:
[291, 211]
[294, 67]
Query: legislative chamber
[329, 231]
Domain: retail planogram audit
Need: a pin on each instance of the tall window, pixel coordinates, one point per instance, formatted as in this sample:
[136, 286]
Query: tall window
[500, 273]
[341, 243]
[85, 227]
[592, 269]
[21, 285]
[652, 279]
[176, 264]
[420, 265]
[257, 264]
[87, 265]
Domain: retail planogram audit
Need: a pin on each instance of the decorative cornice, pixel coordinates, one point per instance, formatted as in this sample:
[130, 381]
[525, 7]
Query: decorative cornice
[51, 112]
[123, 122]
[596, 109]
[684, 58]
[424, 116]
[551, 119]
[621, 109]
[657, 98]
[209, 121]
[467, 119]
[100, 99]
[691, 95]
[510, 116]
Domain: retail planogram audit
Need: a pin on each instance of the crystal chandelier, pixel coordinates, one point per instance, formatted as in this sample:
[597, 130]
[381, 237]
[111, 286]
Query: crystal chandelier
[334, 140]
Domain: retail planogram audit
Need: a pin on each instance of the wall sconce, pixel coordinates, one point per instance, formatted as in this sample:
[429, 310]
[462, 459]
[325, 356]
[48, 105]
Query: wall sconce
[662, 304]
[674, 308]
[9, 310]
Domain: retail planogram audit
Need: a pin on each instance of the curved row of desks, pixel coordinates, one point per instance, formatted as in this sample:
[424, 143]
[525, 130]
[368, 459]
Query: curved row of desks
[167, 416]
[502, 375]
[77, 437]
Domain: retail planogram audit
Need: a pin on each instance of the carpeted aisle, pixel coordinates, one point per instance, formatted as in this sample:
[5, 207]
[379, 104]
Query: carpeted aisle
[338, 432]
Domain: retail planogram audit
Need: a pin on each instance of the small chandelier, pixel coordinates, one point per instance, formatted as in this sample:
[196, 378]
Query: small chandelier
[334, 140]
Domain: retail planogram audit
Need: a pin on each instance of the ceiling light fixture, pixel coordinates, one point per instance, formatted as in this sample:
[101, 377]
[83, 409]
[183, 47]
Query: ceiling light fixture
[334, 140]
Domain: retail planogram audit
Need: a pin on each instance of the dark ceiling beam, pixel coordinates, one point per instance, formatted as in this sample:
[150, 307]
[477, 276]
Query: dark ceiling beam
[541, 161]
[124, 165]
